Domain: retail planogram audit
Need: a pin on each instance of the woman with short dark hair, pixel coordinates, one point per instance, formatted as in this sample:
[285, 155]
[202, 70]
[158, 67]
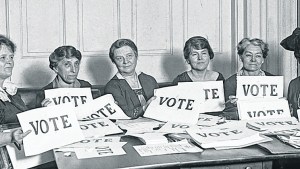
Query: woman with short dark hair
[198, 54]
[65, 62]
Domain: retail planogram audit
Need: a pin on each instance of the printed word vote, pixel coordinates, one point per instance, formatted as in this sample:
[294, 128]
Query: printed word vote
[44, 125]
[260, 90]
[64, 99]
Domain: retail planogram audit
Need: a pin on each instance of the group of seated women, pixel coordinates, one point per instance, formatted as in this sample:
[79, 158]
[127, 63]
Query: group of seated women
[132, 90]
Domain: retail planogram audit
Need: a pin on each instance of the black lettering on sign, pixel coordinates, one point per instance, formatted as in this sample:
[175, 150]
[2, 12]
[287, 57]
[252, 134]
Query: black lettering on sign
[256, 90]
[66, 99]
[93, 125]
[104, 150]
[182, 103]
[43, 125]
[261, 113]
[222, 133]
[213, 92]
[180, 126]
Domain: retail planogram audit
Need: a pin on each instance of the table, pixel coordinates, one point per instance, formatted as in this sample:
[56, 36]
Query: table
[252, 157]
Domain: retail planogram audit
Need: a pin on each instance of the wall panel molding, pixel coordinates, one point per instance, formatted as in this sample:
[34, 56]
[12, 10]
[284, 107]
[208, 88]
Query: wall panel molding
[197, 23]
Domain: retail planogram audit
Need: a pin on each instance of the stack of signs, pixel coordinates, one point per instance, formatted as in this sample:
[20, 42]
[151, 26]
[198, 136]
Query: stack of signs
[234, 136]
[98, 127]
[292, 140]
[184, 102]
[273, 126]
[259, 97]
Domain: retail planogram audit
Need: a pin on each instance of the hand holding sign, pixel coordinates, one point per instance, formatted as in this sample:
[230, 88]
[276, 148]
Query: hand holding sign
[52, 127]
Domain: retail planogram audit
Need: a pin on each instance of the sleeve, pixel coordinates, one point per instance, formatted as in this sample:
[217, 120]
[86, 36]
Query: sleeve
[40, 96]
[175, 81]
[221, 77]
[292, 98]
[116, 91]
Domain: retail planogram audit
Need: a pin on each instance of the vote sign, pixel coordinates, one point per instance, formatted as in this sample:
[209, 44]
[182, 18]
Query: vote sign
[77, 96]
[259, 87]
[52, 127]
[184, 102]
[263, 109]
[101, 107]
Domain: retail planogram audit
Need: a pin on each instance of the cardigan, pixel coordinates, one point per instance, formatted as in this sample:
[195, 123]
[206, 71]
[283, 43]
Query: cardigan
[126, 98]
[9, 110]
[41, 94]
[294, 94]
[184, 77]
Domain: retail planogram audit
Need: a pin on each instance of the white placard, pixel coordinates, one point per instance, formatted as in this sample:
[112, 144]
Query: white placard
[98, 127]
[77, 96]
[167, 148]
[93, 142]
[212, 91]
[184, 102]
[100, 151]
[273, 123]
[171, 127]
[259, 87]
[263, 109]
[52, 127]
[221, 137]
[103, 106]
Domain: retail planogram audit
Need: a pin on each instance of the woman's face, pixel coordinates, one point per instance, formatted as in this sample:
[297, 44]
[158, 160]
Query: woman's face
[68, 69]
[125, 60]
[6, 62]
[252, 58]
[199, 59]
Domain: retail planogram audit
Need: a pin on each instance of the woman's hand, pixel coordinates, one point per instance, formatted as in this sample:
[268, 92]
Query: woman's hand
[18, 135]
[148, 102]
[46, 102]
[232, 99]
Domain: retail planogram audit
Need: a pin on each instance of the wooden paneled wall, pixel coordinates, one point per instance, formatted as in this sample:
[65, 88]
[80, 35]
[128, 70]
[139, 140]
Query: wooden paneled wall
[158, 27]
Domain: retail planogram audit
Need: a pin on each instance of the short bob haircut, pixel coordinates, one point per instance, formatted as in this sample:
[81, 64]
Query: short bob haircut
[120, 43]
[242, 45]
[63, 52]
[7, 42]
[197, 42]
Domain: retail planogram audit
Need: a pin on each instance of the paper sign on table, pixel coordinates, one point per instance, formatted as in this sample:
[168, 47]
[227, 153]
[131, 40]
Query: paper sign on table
[100, 151]
[98, 127]
[93, 142]
[263, 109]
[259, 87]
[271, 124]
[103, 106]
[172, 127]
[151, 138]
[52, 127]
[77, 96]
[167, 148]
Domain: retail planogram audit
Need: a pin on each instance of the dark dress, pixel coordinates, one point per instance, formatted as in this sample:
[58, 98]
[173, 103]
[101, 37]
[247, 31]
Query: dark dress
[230, 90]
[41, 94]
[184, 77]
[9, 110]
[294, 94]
[127, 99]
